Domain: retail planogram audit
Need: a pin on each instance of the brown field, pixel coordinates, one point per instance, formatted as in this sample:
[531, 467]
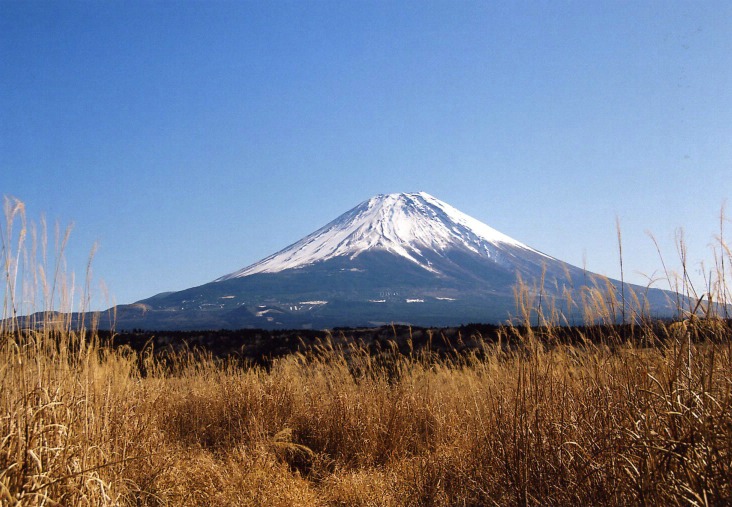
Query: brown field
[641, 420]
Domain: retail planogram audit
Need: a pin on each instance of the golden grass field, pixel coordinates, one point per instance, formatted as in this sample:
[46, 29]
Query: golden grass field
[645, 419]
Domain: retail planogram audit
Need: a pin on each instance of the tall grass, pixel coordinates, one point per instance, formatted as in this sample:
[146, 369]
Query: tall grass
[646, 421]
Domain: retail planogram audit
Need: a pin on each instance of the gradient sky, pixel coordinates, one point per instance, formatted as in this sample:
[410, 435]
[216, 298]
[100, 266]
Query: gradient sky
[190, 139]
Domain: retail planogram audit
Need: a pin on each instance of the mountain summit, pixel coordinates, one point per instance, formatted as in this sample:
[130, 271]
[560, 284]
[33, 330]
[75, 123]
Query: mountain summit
[406, 225]
[407, 258]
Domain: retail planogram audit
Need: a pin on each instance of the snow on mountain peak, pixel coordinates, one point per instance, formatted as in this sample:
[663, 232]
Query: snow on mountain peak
[405, 224]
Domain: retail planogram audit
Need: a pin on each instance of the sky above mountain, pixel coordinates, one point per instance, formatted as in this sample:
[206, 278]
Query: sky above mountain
[190, 139]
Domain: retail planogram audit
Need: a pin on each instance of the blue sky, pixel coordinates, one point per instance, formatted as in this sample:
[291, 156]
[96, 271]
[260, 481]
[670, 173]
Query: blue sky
[190, 139]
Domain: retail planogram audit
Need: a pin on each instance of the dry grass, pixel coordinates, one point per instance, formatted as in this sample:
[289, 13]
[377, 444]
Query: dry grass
[533, 425]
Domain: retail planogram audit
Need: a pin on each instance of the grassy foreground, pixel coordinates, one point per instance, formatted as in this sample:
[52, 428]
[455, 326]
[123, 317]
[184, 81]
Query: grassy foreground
[639, 420]
[539, 426]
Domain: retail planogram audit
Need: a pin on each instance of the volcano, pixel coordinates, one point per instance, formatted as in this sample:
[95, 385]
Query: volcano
[395, 258]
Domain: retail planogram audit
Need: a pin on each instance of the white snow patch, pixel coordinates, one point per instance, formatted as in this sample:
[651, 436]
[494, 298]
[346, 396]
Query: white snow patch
[377, 300]
[445, 299]
[313, 302]
[415, 300]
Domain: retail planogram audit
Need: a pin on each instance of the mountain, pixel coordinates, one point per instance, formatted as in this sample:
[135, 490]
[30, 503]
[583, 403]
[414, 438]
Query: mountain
[407, 258]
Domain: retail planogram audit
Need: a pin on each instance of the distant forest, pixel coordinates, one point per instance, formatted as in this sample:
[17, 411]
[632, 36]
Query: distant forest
[261, 347]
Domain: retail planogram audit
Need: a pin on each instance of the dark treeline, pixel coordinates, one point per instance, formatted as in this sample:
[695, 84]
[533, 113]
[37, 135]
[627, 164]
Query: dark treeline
[257, 346]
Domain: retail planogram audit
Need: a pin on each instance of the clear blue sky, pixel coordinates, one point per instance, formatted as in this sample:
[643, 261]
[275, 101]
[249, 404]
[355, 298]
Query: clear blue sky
[190, 139]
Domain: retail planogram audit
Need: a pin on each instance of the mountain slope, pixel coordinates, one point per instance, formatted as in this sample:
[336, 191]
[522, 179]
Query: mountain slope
[393, 258]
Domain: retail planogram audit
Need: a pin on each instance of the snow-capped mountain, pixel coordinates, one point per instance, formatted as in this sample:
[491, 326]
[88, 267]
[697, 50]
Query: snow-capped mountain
[407, 225]
[407, 258]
